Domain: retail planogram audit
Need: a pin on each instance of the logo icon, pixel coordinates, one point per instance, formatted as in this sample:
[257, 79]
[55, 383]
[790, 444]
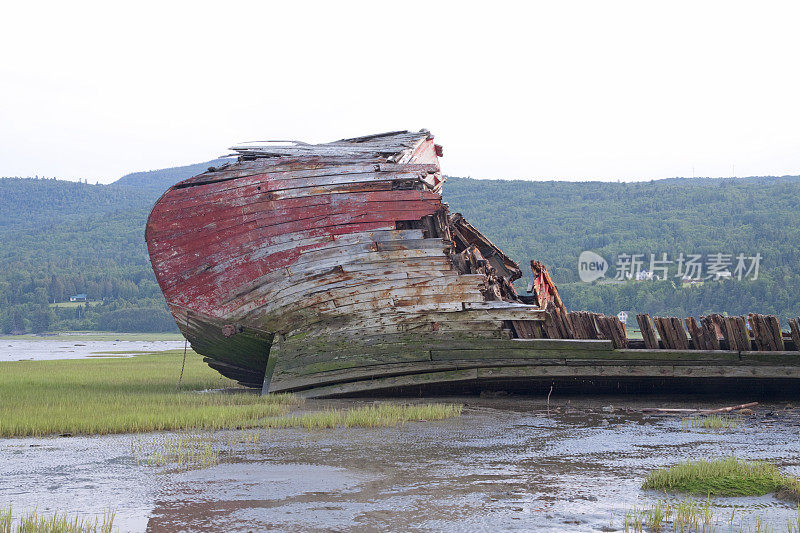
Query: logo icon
[591, 266]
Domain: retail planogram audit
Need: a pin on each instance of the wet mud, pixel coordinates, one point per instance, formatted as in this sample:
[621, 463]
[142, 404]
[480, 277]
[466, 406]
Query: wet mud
[505, 464]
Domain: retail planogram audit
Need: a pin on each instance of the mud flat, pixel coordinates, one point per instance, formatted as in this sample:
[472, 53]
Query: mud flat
[505, 463]
[29, 347]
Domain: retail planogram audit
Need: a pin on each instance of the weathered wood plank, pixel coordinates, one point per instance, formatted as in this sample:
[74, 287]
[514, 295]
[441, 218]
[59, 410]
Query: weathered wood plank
[311, 221]
[227, 211]
[795, 331]
[770, 357]
[391, 382]
[662, 332]
[709, 332]
[431, 372]
[730, 335]
[680, 333]
[270, 185]
[213, 288]
[774, 326]
[743, 335]
[628, 371]
[321, 254]
[696, 333]
[648, 333]
[281, 284]
[562, 344]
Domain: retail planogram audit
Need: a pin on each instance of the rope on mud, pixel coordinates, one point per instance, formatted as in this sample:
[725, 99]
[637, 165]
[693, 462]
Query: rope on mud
[185, 345]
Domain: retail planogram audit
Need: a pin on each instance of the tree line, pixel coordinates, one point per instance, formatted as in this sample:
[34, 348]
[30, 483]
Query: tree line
[554, 222]
[60, 238]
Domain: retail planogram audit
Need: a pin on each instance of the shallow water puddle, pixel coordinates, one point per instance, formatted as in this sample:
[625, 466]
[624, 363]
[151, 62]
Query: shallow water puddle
[41, 350]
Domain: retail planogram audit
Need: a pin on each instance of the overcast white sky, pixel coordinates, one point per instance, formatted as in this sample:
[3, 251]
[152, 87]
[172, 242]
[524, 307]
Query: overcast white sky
[536, 90]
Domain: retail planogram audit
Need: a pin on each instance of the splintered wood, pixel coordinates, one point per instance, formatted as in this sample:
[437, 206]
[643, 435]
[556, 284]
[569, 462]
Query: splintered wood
[582, 325]
[648, 333]
[717, 332]
[793, 325]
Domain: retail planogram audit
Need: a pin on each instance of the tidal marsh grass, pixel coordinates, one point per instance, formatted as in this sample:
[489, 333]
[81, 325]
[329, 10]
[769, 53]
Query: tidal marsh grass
[653, 518]
[184, 451]
[690, 516]
[657, 516]
[136, 394]
[5, 521]
[34, 522]
[793, 524]
[634, 520]
[724, 477]
[370, 416]
[191, 451]
[684, 516]
[139, 394]
[713, 422]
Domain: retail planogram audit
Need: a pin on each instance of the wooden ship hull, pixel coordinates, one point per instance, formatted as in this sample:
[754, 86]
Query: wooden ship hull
[336, 268]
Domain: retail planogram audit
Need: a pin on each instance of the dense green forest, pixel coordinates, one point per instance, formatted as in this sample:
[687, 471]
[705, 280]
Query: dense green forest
[555, 221]
[60, 238]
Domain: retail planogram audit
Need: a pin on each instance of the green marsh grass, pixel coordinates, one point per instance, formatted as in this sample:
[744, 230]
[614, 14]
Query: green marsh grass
[184, 451]
[712, 422]
[793, 524]
[193, 450]
[34, 522]
[370, 416]
[188, 450]
[139, 394]
[684, 515]
[724, 477]
[124, 395]
[691, 516]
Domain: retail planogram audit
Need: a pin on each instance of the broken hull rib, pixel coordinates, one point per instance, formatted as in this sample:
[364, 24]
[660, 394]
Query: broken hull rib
[292, 270]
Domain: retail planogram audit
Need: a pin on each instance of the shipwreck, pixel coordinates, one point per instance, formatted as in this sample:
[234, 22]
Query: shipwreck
[335, 269]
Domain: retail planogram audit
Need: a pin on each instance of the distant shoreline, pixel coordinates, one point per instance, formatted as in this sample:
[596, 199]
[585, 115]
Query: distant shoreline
[95, 336]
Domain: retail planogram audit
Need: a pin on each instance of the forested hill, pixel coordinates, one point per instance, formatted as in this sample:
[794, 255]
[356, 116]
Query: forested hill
[163, 179]
[39, 204]
[555, 221]
[60, 238]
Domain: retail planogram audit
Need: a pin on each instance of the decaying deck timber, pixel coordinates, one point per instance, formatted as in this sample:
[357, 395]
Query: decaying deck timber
[336, 268]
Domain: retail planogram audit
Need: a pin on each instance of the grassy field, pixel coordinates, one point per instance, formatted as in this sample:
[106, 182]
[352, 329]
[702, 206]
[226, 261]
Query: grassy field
[98, 336]
[140, 394]
[97, 396]
[724, 477]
